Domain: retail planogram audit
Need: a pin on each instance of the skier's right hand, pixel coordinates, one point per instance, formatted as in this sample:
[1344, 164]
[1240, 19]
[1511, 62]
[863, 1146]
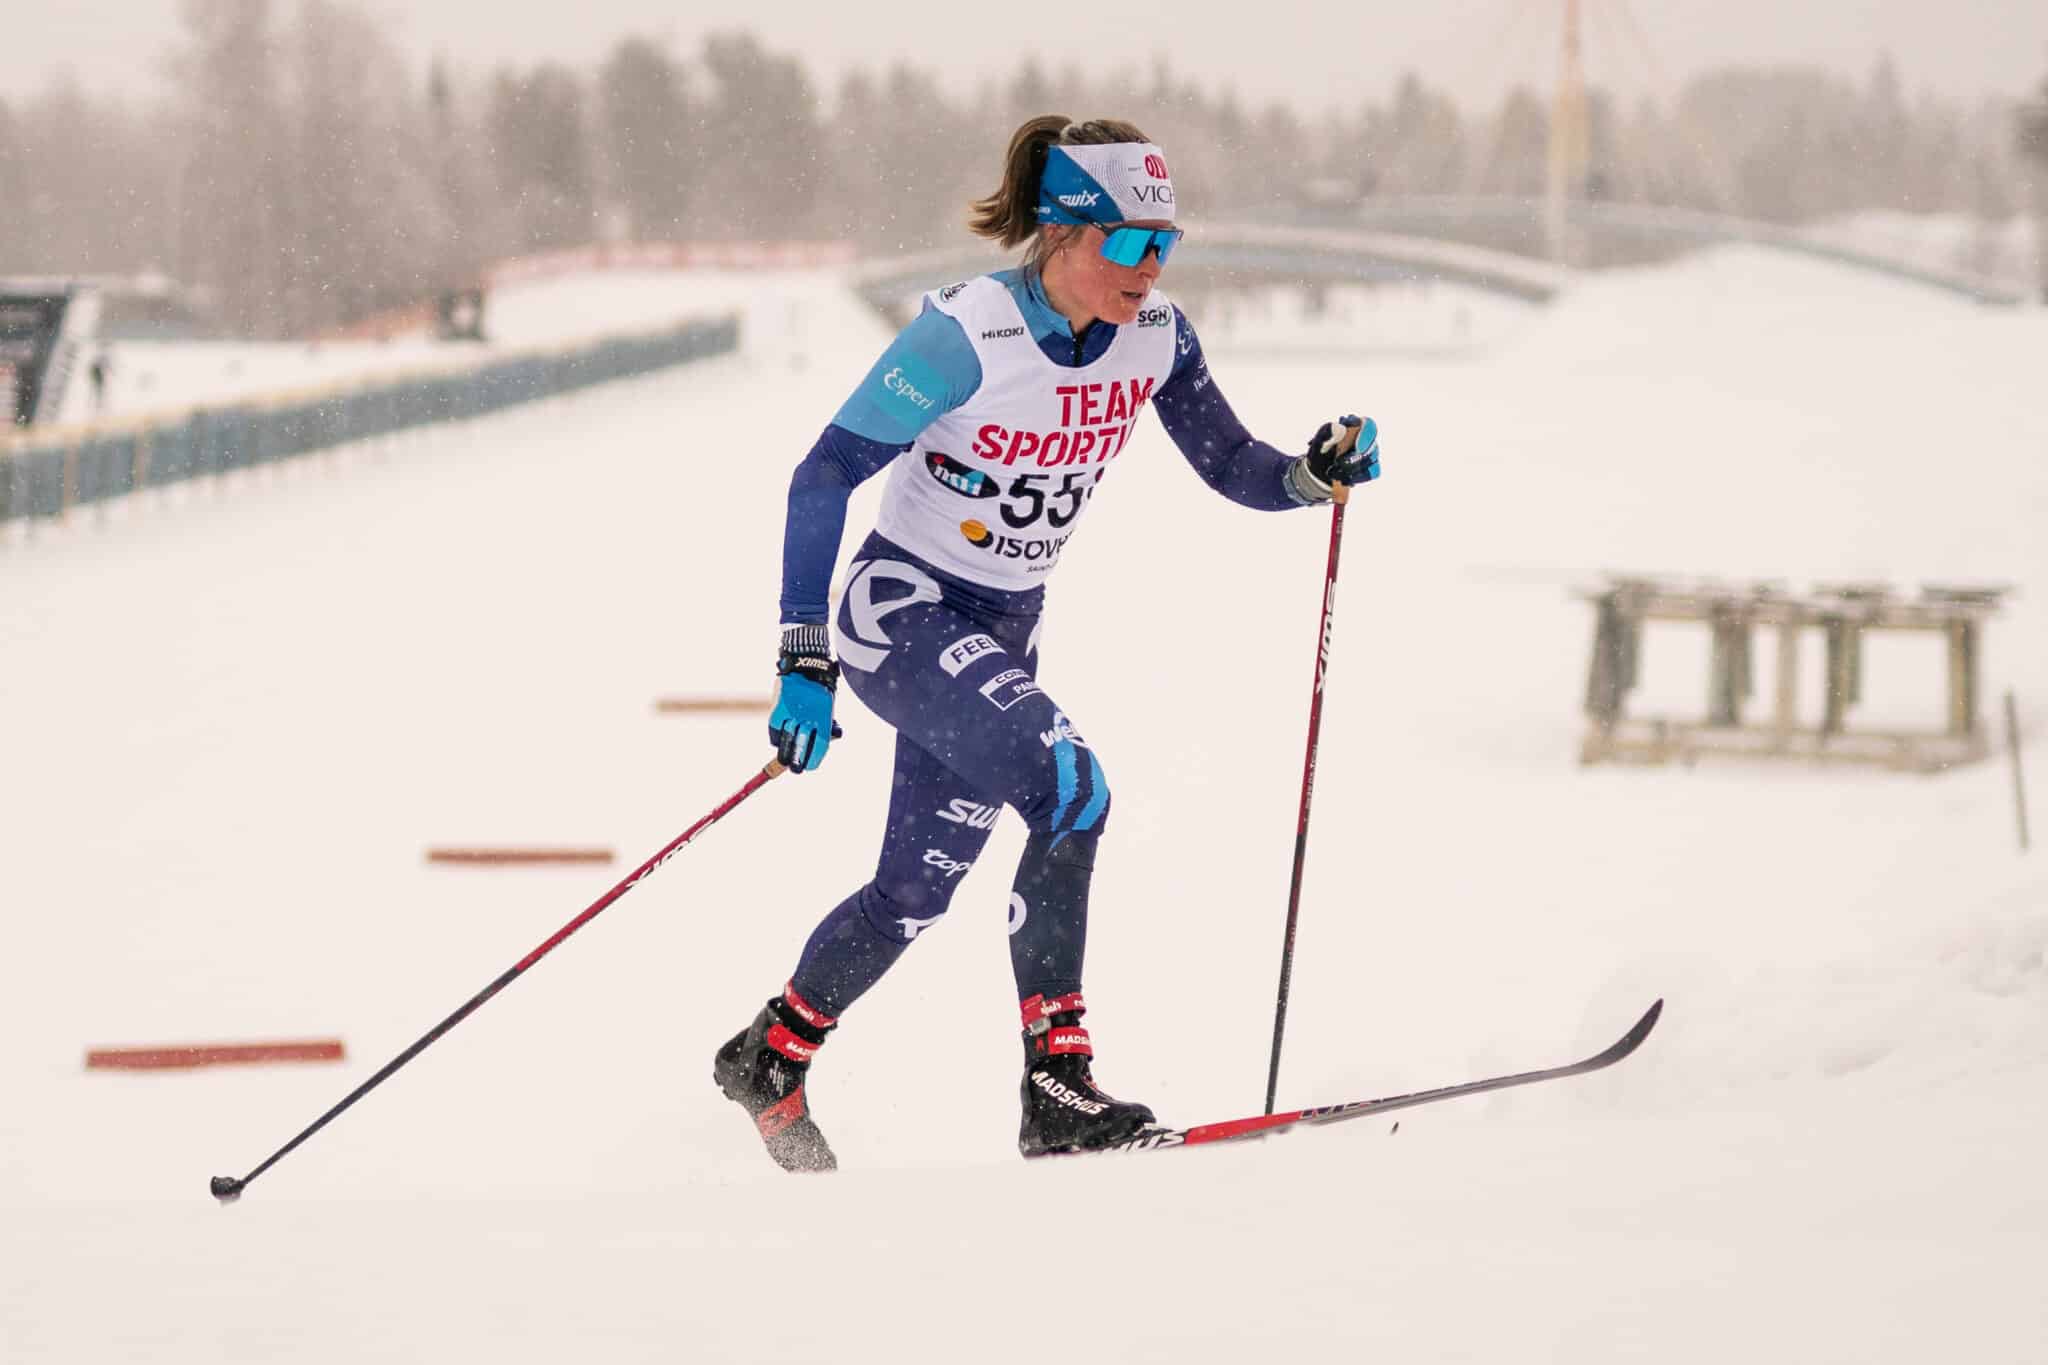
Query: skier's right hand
[801, 726]
[1345, 451]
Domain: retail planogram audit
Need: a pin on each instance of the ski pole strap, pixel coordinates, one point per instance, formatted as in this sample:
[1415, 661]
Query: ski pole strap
[1038, 1010]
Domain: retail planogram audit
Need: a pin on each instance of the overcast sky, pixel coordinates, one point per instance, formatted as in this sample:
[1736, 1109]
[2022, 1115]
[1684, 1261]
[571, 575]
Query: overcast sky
[1306, 52]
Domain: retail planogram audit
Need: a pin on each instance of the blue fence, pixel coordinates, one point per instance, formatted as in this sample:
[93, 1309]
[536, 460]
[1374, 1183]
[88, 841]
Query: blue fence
[44, 475]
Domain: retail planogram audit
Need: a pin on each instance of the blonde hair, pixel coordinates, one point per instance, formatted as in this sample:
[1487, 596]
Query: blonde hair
[1010, 215]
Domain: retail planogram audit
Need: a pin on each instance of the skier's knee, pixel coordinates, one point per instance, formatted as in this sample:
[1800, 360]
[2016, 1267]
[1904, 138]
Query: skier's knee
[902, 906]
[1077, 802]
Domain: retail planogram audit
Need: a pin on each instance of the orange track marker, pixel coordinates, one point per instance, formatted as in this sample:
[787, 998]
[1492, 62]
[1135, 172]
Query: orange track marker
[673, 706]
[185, 1056]
[519, 857]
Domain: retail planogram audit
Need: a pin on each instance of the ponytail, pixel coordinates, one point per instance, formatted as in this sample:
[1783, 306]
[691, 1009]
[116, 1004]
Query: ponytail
[1010, 215]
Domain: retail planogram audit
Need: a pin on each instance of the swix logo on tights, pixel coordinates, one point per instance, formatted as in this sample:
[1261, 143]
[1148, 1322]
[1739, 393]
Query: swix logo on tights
[972, 814]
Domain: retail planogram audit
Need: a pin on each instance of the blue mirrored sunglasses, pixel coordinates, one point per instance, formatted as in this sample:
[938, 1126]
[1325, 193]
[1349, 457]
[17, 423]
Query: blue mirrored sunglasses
[1128, 245]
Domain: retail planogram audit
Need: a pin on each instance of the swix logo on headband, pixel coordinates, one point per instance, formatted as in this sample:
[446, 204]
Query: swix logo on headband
[1104, 183]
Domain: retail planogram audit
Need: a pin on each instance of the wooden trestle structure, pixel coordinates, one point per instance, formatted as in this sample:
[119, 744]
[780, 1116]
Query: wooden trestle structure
[1843, 613]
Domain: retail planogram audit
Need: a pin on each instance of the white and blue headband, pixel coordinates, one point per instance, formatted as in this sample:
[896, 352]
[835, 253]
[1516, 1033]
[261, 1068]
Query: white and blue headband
[1105, 184]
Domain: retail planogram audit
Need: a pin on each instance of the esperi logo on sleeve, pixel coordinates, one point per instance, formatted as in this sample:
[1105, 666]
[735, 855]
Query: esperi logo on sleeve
[965, 650]
[895, 383]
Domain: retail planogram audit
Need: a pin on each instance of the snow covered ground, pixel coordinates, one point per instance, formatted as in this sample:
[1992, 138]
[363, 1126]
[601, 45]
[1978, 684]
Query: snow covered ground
[237, 714]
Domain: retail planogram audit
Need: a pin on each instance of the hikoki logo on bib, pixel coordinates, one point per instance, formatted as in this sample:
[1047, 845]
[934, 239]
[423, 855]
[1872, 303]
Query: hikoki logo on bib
[1095, 421]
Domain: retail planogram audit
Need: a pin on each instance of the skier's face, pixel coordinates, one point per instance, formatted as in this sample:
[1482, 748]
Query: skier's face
[1090, 284]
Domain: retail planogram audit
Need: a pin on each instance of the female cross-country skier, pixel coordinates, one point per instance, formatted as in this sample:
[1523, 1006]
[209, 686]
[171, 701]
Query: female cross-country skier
[998, 412]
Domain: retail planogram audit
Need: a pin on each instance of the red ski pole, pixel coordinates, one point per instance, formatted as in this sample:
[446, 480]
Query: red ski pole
[1308, 782]
[227, 1188]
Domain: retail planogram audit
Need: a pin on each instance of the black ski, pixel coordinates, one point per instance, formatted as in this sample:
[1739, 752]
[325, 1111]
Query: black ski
[1236, 1130]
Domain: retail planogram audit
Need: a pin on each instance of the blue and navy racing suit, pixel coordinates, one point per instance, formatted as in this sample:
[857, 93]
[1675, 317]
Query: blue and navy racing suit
[975, 731]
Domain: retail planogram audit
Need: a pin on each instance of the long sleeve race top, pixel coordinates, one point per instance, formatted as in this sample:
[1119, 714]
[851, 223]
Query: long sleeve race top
[931, 368]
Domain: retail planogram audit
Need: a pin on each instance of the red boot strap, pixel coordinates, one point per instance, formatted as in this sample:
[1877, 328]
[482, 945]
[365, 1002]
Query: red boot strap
[789, 1045]
[804, 1010]
[779, 1115]
[1068, 1040]
[1040, 1008]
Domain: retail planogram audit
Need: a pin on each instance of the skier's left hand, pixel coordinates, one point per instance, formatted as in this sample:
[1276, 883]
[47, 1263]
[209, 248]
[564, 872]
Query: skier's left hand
[1345, 451]
[800, 725]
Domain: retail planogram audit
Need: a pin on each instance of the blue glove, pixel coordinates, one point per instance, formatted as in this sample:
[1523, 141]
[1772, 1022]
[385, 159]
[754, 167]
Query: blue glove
[801, 726]
[1334, 457]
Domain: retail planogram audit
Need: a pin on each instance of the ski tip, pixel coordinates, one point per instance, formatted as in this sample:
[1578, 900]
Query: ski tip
[1627, 1043]
[1643, 1025]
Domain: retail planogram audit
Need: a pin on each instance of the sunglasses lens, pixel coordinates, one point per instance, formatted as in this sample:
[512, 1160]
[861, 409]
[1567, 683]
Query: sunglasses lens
[1127, 246]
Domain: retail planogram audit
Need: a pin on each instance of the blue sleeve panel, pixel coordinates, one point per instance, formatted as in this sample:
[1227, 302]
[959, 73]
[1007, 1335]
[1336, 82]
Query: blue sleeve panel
[1198, 418]
[928, 370]
[837, 464]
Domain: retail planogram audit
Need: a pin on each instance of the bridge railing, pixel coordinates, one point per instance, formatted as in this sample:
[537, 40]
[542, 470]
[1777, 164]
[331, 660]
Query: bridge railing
[1612, 232]
[1220, 254]
[44, 474]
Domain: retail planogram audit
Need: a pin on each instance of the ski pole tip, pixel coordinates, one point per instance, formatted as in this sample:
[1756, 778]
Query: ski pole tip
[225, 1188]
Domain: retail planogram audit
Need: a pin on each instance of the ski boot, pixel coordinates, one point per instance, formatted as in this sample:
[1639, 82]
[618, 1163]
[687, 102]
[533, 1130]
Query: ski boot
[762, 1070]
[1064, 1111]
